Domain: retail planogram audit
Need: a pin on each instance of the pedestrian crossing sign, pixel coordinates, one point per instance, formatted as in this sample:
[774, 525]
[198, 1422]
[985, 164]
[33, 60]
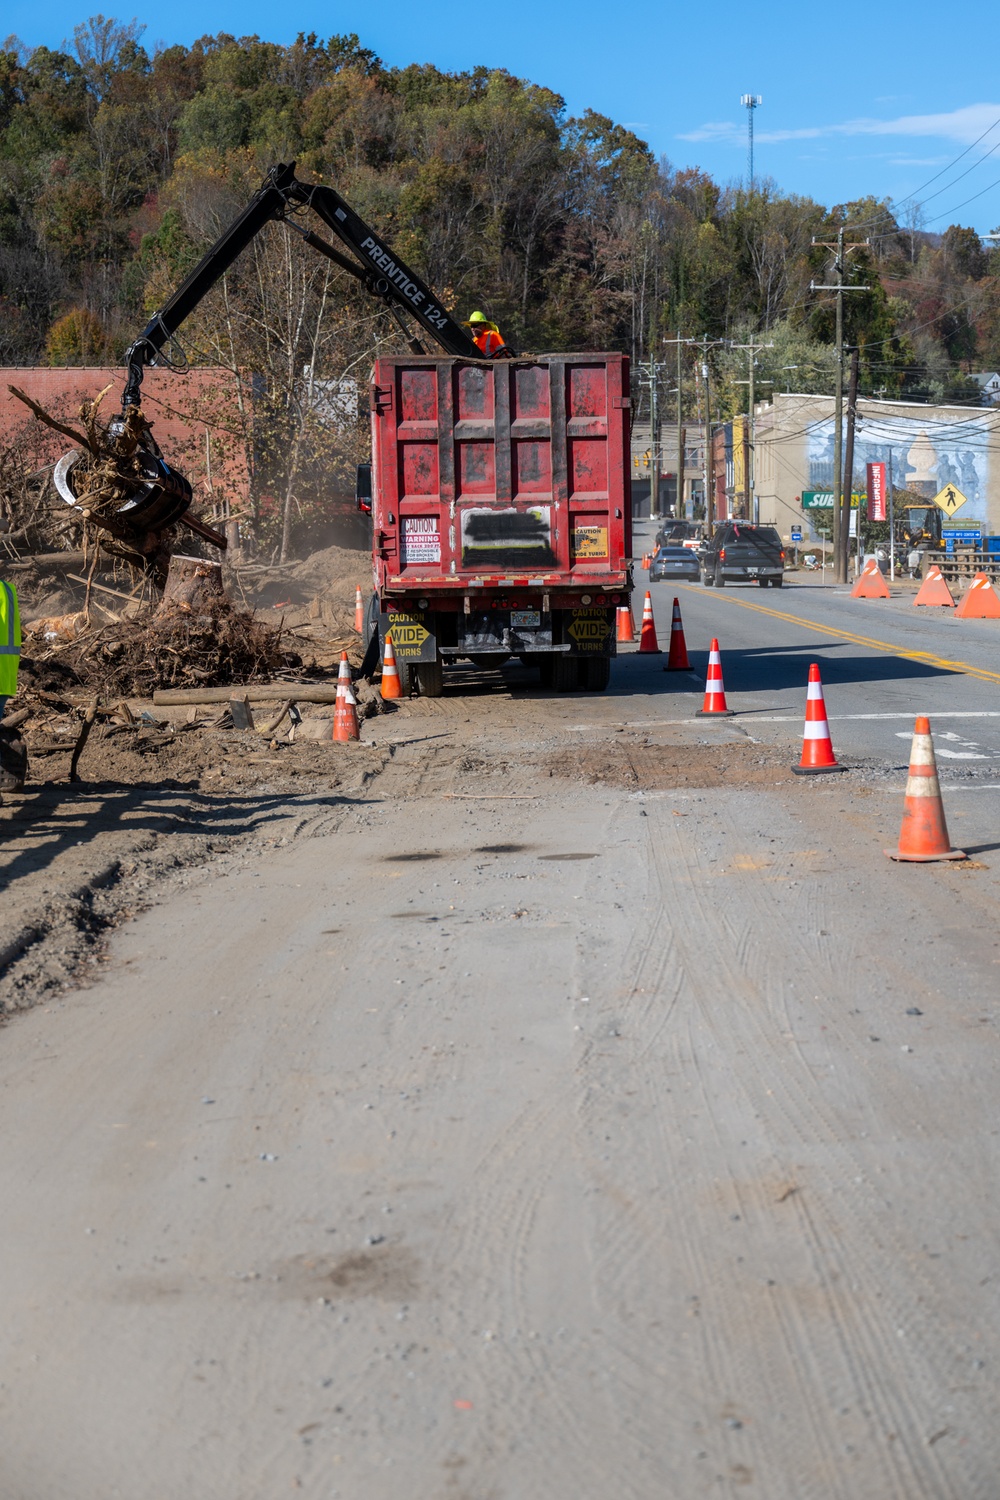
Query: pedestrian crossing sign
[950, 499]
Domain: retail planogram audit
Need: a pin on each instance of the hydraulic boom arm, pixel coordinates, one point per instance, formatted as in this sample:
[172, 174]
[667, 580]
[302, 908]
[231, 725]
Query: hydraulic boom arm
[281, 197]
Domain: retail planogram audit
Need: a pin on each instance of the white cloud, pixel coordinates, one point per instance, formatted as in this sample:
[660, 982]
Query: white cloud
[963, 125]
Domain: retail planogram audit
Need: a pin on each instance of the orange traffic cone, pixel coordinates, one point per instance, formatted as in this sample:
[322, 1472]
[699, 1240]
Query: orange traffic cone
[817, 746]
[934, 589]
[391, 686]
[980, 601]
[345, 714]
[924, 834]
[626, 624]
[715, 693]
[359, 612]
[344, 672]
[677, 658]
[645, 560]
[871, 584]
[647, 637]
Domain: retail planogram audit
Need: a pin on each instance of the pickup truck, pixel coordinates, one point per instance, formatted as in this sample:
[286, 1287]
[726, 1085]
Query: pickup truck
[742, 553]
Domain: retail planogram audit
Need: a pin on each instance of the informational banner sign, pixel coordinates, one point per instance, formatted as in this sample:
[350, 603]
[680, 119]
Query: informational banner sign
[876, 492]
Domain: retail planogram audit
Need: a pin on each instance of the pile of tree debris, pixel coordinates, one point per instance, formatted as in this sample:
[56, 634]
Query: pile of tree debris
[195, 638]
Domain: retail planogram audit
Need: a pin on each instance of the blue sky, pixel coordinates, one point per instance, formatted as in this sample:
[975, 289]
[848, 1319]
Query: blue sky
[865, 99]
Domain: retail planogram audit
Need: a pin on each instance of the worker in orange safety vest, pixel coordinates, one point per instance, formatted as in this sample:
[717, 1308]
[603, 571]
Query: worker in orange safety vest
[485, 335]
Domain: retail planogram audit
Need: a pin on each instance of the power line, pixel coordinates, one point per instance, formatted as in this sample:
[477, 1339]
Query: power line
[911, 197]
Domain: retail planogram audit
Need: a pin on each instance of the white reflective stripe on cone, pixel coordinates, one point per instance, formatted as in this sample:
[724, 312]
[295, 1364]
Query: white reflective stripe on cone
[922, 786]
[814, 691]
[922, 753]
[819, 729]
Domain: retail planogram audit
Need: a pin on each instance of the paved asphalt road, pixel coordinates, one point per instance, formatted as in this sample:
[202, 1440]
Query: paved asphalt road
[584, 1107]
[882, 663]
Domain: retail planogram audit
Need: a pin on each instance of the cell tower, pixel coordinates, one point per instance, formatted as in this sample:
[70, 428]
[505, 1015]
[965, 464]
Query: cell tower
[750, 102]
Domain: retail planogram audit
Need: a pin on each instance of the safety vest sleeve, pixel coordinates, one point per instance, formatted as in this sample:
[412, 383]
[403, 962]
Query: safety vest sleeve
[10, 639]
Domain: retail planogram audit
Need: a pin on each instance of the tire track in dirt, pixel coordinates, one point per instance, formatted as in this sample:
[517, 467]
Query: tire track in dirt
[809, 1120]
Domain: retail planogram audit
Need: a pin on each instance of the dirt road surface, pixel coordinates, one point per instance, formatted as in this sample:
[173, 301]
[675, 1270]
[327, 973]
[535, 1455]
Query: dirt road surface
[563, 1101]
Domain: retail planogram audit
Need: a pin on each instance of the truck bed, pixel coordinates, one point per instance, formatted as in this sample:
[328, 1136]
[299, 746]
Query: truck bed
[507, 473]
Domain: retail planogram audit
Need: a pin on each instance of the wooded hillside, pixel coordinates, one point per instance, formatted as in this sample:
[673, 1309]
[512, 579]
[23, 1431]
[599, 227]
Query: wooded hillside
[118, 168]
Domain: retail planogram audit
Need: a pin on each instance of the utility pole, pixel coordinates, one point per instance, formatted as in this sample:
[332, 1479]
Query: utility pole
[750, 102]
[749, 478]
[654, 446]
[679, 491]
[839, 572]
[679, 507]
[892, 527]
[708, 453]
[847, 488]
[649, 374]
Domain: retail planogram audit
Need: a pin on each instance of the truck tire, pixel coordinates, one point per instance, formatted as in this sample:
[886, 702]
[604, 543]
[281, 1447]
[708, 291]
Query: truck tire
[407, 677]
[430, 677]
[777, 582]
[564, 673]
[720, 582]
[595, 673]
[707, 580]
[370, 620]
[763, 582]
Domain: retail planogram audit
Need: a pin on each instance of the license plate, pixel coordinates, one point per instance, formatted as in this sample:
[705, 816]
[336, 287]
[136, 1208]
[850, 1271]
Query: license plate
[752, 571]
[526, 619]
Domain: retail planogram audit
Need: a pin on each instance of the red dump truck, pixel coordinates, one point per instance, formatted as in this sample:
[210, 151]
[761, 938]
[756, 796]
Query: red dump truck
[501, 513]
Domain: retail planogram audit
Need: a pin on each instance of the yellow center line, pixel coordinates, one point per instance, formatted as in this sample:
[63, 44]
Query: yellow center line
[943, 662]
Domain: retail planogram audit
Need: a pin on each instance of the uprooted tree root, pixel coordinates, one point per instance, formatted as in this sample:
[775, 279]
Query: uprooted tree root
[214, 646]
[107, 474]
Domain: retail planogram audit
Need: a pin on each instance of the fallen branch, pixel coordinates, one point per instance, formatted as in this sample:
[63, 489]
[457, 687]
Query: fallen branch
[81, 739]
[43, 416]
[267, 692]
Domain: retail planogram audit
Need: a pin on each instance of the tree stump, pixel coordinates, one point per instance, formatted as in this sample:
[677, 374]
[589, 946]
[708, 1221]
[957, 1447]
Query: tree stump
[193, 584]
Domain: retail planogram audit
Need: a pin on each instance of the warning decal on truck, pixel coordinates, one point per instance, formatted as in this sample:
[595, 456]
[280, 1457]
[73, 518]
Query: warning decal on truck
[590, 541]
[589, 629]
[421, 540]
[411, 638]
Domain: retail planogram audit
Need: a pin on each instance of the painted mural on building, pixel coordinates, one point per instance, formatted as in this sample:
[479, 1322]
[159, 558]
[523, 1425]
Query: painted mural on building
[924, 456]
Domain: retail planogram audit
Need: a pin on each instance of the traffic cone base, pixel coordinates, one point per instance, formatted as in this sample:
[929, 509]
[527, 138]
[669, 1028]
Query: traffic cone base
[980, 601]
[647, 638]
[923, 837]
[871, 584]
[714, 706]
[677, 660]
[934, 589]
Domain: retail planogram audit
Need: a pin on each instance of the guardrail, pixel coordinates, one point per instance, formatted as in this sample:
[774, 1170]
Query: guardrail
[965, 563]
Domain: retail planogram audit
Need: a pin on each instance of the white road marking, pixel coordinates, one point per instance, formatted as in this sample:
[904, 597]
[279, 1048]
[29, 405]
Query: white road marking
[843, 718]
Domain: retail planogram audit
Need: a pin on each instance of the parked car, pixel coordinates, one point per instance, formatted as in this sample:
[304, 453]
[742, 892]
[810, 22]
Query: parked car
[677, 562]
[741, 553]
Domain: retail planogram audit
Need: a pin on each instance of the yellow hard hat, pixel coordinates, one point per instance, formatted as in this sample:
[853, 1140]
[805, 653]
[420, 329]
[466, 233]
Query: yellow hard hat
[477, 317]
